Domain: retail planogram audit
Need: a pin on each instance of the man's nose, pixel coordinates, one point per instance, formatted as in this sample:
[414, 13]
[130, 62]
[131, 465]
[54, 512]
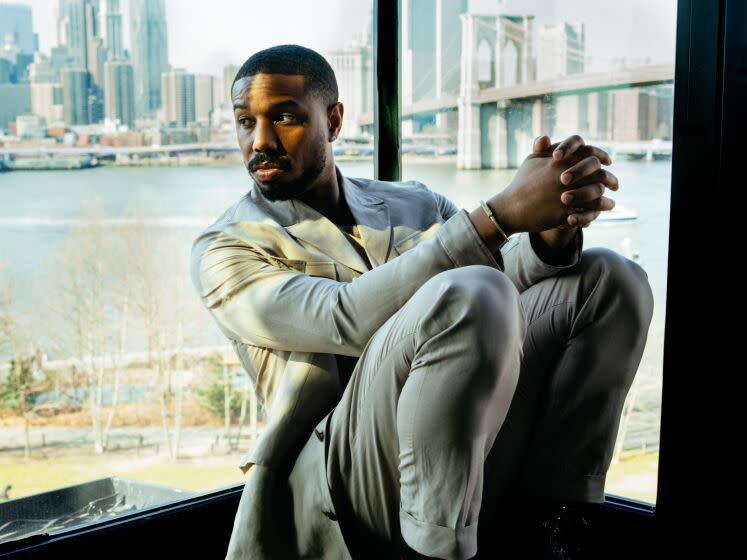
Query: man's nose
[264, 137]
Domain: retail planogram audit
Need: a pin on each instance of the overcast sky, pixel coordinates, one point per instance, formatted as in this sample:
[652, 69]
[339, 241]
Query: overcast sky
[206, 35]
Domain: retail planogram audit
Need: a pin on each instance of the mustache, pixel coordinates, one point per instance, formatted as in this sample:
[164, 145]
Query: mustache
[268, 159]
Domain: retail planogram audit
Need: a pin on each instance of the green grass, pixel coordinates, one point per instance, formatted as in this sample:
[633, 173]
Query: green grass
[633, 476]
[34, 476]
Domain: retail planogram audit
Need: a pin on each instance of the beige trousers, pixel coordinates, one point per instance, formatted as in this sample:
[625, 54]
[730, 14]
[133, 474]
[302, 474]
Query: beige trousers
[471, 389]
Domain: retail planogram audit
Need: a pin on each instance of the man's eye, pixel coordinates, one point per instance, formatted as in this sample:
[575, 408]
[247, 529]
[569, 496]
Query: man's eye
[245, 122]
[287, 118]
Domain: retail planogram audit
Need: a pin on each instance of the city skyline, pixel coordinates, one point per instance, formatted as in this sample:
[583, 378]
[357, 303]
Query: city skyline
[451, 50]
[604, 41]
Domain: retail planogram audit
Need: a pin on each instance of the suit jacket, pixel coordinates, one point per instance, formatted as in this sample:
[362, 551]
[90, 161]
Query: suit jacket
[291, 293]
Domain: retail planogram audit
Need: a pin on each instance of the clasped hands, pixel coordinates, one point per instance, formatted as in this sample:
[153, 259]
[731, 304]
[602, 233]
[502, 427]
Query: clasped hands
[557, 189]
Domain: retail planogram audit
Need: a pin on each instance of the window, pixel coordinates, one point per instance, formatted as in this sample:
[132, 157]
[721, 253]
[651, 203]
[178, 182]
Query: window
[117, 147]
[481, 80]
[704, 29]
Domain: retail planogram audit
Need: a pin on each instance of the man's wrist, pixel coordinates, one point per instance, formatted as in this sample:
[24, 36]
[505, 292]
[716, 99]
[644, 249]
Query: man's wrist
[486, 230]
[555, 246]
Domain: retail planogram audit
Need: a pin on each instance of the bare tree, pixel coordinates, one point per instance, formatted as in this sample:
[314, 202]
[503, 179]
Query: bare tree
[17, 343]
[162, 301]
[90, 301]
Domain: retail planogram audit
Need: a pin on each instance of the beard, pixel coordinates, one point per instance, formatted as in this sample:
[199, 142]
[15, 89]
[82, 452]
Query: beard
[297, 187]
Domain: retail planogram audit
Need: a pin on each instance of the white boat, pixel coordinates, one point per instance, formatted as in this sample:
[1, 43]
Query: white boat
[617, 214]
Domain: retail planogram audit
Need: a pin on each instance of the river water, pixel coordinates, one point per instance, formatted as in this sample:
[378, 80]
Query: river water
[37, 210]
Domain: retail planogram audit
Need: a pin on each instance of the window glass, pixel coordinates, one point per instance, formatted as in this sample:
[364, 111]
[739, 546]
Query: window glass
[482, 79]
[117, 147]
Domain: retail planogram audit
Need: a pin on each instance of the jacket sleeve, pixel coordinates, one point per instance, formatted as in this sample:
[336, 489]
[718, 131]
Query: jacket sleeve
[521, 262]
[262, 304]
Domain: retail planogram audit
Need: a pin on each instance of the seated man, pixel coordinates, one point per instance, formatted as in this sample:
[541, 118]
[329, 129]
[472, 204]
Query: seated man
[417, 362]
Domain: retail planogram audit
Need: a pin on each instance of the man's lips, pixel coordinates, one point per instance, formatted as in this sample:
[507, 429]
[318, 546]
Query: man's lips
[268, 172]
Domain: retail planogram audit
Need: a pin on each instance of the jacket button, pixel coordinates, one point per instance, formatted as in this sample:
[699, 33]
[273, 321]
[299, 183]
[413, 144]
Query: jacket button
[319, 434]
[330, 514]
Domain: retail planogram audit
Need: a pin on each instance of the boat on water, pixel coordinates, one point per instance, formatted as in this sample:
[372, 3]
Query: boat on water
[49, 164]
[618, 214]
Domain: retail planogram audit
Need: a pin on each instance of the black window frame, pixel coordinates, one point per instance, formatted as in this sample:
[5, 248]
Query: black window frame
[710, 83]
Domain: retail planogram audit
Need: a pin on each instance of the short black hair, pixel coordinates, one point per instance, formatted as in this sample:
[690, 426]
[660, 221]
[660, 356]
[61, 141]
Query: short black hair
[294, 60]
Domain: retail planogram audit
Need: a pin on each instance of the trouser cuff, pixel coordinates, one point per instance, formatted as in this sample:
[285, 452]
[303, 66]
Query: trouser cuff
[438, 541]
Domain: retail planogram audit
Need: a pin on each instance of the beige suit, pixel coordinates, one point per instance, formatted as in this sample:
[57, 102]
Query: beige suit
[290, 291]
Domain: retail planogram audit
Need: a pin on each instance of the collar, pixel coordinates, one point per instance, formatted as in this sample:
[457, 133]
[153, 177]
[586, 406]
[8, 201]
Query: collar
[371, 213]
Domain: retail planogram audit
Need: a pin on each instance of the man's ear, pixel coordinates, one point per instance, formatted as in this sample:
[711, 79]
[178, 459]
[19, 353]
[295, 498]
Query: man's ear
[334, 120]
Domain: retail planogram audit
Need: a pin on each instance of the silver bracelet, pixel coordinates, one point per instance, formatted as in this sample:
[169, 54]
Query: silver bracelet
[491, 215]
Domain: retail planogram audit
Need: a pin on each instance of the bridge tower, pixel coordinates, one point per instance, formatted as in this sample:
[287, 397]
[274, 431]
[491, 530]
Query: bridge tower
[496, 52]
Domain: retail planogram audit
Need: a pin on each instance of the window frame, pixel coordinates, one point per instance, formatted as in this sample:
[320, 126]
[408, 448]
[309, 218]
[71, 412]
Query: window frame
[711, 39]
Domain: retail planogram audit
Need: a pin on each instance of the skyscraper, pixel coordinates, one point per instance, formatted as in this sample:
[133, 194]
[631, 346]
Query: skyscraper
[46, 101]
[149, 50]
[16, 18]
[97, 56]
[229, 73]
[432, 43]
[42, 71]
[178, 97]
[110, 28]
[353, 68]
[204, 100]
[16, 101]
[71, 29]
[561, 50]
[75, 96]
[119, 92]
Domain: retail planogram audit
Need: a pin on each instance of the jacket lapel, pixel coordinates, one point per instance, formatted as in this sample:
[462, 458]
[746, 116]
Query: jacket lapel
[370, 213]
[372, 216]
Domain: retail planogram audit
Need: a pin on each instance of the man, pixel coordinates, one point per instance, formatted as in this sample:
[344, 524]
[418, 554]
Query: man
[416, 367]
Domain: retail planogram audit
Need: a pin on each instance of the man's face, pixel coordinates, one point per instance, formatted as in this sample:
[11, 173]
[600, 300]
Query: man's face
[282, 133]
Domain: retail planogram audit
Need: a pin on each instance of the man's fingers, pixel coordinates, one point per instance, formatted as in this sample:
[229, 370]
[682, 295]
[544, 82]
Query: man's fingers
[567, 147]
[582, 196]
[601, 176]
[541, 144]
[583, 168]
[583, 219]
[572, 148]
[588, 150]
[597, 203]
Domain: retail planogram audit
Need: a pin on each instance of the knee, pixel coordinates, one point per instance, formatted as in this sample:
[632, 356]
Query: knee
[483, 296]
[623, 284]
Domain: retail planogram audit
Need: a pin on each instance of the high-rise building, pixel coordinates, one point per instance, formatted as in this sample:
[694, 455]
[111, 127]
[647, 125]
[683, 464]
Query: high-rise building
[354, 74]
[97, 56]
[229, 73]
[561, 50]
[9, 48]
[75, 96]
[71, 29]
[42, 71]
[119, 92]
[179, 97]
[78, 32]
[149, 52]
[61, 58]
[6, 71]
[204, 100]
[23, 61]
[432, 46]
[16, 19]
[110, 28]
[16, 101]
[46, 101]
